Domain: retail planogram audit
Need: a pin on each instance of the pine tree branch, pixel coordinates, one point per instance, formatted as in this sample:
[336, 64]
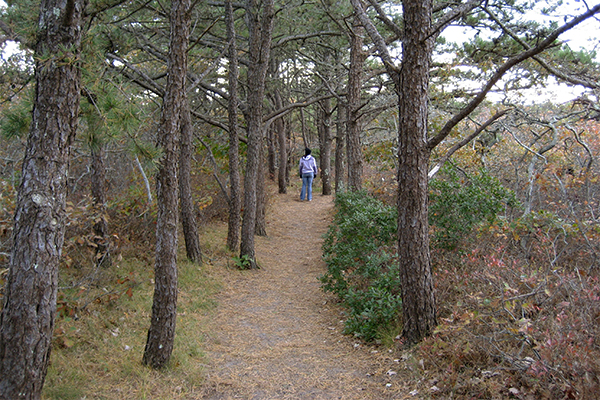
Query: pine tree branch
[504, 68]
[385, 19]
[378, 40]
[589, 83]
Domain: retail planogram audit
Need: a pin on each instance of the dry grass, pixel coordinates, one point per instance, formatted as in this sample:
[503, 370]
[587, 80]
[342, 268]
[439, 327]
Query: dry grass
[104, 315]
[266, 334]
[97, 351]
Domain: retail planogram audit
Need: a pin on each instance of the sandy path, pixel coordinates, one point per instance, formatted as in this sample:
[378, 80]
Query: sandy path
[276, 335]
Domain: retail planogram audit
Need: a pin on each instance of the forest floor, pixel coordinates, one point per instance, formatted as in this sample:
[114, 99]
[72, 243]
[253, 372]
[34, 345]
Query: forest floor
[276, 335]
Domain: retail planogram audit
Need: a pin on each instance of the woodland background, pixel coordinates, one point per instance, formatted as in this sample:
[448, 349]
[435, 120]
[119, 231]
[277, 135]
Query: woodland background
[513, 206]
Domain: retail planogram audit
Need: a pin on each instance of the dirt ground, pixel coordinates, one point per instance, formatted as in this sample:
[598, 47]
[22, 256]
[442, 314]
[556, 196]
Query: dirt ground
[276, 335]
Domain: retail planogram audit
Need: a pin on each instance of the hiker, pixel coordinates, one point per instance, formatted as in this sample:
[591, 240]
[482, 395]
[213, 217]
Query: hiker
[308, 171]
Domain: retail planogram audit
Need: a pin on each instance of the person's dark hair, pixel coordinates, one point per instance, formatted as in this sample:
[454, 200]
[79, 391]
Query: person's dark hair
[306, 152]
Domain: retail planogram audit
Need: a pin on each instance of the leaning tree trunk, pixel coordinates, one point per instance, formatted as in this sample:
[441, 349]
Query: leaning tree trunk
[161, 333]
[418, 301]
[235, 195]
[27, 319]
[353, 146]
[260, 29]
[186, 199]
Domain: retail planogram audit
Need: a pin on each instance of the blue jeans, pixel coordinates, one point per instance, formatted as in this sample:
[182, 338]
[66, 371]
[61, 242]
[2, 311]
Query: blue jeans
[307, 180]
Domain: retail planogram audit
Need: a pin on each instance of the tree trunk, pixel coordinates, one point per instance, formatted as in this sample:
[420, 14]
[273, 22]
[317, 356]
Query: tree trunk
[235, 195]
[98, 190]
[303, 127]
[325, 140]
[271, 152]
[339, 146]
[186, 199]
[96, 145]
[161, 333]
[353, 146]
[418, 301]
[412, 85]
[27, 319]
[283, 153]
[290, 160]
[259, 50]
[261, 197]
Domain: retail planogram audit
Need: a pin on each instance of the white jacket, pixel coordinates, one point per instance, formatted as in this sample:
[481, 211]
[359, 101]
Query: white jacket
[308, 164]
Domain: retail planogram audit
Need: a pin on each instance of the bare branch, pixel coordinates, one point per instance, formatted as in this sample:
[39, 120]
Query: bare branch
[138, 76]
[96, 9]
[9, 34]
[464, 142]
[457, 12]
[215, 168]
[290, 107]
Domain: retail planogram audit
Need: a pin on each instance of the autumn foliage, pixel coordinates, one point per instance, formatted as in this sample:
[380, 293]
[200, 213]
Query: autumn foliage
[518, 297]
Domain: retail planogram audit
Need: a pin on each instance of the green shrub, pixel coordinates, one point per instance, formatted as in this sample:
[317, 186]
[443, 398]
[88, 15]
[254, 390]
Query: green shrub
[362, 270]
[457, 207]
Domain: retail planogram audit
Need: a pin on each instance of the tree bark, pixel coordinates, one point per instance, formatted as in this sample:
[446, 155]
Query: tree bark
[261, 197]
[260, 29]
[27, 319]
[161, 333]
[271, 152]
[339, 146]
[282, 144]
[235, 195]
[353, 146]
[186, 199]
[412, 86]
[325, 139]
[418, 301]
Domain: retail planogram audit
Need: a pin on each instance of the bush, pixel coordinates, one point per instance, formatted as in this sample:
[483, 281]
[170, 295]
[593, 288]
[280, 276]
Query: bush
[362, 270]
[517, 311]
[456, 207]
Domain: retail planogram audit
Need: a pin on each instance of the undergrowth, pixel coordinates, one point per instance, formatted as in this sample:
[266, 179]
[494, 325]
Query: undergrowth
[519, 314]
[518, 297]
[359, 250]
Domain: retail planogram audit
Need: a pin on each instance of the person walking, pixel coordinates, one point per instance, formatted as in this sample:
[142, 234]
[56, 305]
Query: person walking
[308, 171]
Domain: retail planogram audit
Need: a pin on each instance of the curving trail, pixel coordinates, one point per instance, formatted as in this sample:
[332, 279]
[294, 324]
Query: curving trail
[276, 335]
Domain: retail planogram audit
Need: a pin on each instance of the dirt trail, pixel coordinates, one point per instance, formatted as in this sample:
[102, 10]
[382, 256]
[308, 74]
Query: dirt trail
[276, 335]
